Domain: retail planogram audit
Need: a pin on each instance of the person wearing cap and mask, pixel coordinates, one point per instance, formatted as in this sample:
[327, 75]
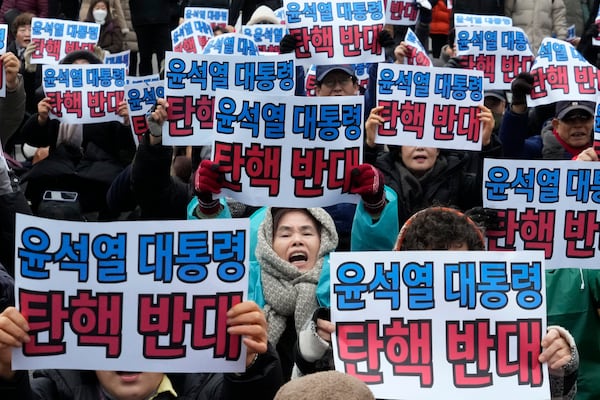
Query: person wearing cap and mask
[564, 136]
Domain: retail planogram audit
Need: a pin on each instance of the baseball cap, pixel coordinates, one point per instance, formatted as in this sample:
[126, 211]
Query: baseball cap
[498, 94]
[565, 107]
[322, 70]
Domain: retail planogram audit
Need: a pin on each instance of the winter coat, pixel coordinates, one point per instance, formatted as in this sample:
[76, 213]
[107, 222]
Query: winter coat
[440, 19]
[516, 142]
[10, 205]
[538, 18]
[577, 13]
[573, 302]
[12, 111]
[105, 150]
[454, 180]
[260, 382]
[7, 289]
[37, 7]
[151, 12]
[130, 39]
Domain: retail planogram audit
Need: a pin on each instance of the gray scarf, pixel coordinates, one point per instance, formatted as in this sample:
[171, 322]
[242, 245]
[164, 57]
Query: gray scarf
[288, 291]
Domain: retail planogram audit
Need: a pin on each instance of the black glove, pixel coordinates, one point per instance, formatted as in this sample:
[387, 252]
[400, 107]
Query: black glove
[288, 44]
[484, 217]
[520, 87]
[385, 39]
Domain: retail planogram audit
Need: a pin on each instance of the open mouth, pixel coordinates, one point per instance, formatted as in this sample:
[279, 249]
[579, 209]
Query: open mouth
[297, 257]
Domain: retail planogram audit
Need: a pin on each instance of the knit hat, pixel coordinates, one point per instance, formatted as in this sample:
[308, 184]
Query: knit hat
[325, 385]
[263, 15]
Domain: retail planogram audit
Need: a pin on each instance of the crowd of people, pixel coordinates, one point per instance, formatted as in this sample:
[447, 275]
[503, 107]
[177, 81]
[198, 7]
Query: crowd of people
[411, 198]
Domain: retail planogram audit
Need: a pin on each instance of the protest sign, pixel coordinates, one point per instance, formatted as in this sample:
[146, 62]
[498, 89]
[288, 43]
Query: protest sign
[560, 72]
[84, 93]
[400, 12]
[547, 205]
[441, 324]
[141, 94]
[336, 31]
[500, 52]
[432, 107]
[231, 44]
[3, 45]
[119, 58]
[55, 38]
[123, 296]
[266, 36]
[191, 36]
[462, 20]
[214, 16]
[282, 150]
[192, 79]
[417, 55]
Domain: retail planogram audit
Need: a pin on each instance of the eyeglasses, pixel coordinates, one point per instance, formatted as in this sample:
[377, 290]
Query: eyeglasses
[332, 82]
[571, 119]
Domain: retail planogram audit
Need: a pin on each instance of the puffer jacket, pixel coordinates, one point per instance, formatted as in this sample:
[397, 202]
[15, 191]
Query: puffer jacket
[538, 18]
[440, 19]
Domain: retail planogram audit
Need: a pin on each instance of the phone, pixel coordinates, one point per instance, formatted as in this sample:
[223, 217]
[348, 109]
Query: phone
[60, 195]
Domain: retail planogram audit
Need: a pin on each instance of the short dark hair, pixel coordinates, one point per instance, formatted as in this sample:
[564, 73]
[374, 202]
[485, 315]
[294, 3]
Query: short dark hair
[438, 228]
[21, 20]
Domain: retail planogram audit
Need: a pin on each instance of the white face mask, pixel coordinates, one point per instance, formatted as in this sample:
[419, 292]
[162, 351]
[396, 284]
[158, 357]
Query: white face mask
[99, 16]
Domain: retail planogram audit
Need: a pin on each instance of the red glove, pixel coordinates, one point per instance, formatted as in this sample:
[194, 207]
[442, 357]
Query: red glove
[207, 181]
[367, 181]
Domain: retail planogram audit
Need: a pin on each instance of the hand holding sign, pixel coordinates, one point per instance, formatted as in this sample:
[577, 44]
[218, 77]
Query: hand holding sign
[13, 333]
[11, 67]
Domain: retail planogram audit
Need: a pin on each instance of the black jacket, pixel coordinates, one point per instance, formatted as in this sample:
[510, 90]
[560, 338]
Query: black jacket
[261, 381]
[455, 179]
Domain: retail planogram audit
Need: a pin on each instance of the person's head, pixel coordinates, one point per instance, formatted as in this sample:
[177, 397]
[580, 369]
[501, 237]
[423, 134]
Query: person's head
[418, 159]
[299, 236]
[332, 385]
[574, 122]
[99, 12]
[336, 80]
[129, 385]
[296, 237]
[495, 100]
[263, 15]
[21, 29]
[81, 57]
[440, 228]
